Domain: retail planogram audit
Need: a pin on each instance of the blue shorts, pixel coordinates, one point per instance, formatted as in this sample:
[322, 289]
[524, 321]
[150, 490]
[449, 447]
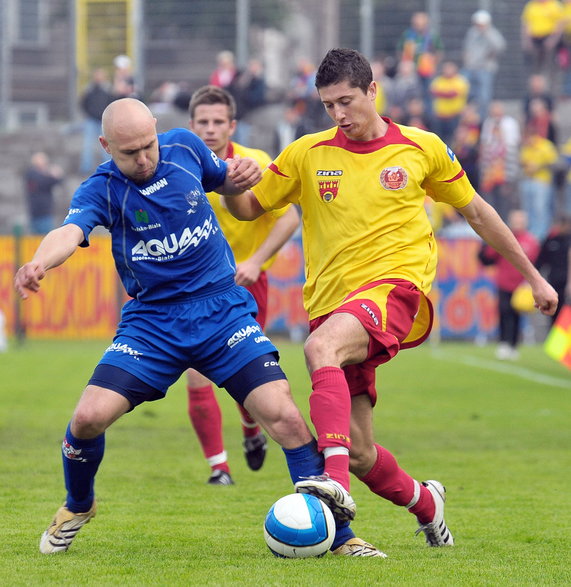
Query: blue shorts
[215, 335]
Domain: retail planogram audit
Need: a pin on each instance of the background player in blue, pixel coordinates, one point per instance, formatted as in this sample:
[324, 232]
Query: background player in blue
[186, 310]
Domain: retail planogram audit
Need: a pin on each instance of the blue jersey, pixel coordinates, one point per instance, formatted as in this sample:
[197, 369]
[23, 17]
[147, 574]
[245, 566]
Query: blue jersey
[166, 241]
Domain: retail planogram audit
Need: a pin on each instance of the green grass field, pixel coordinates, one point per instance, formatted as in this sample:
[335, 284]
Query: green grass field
[497, 435]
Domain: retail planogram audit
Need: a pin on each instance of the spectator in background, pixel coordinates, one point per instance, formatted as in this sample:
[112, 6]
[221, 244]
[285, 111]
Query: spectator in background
[40, 178]
[507, 281]
[539, 34]
[500, 141]
[123, 78]
[449, 92]
[249, 91]
[96, 97]
[301, 82]
[424, 48]
[537, 87]
[406, 87]
[483, 46]
[415, 115]
[302, 91]
[289, 128]
[225, 71]
[466, 143]
[540, 119]
[538, 155]
[554, 260]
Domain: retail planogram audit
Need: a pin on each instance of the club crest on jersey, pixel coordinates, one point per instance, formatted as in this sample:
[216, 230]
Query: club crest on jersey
[328, 189]
[394, 178]
[192, 199]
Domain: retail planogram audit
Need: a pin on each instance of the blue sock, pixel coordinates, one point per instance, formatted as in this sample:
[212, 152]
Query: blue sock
[304, 461]
[81, 459]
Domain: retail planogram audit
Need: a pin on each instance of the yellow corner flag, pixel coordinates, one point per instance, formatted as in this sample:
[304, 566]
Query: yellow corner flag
[558, 342]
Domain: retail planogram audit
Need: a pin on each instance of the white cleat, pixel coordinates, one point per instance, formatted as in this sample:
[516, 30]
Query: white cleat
[332, 493]
[436, 532]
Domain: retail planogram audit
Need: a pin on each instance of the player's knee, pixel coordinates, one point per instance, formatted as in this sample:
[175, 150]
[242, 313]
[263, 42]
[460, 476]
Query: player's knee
[86, 424]
[318, 351]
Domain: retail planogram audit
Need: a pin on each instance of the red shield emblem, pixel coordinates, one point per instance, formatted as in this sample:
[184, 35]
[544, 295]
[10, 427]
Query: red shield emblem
[394, 178]
[328, 189]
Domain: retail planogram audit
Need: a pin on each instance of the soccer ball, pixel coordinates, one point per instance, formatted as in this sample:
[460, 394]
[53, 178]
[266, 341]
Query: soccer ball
[299, 526]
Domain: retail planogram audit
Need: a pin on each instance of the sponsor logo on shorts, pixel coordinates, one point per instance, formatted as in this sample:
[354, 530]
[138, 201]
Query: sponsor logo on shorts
[371, 313]
[123, 348]
[394, 178]
[271, 364]
[69, 452]
[243, 334]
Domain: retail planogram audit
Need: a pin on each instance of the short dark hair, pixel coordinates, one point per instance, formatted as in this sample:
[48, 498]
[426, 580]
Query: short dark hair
[212, 95]
[341, 65]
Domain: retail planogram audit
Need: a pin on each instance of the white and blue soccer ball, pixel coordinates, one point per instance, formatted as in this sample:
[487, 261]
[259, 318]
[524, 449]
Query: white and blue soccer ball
[299, 526]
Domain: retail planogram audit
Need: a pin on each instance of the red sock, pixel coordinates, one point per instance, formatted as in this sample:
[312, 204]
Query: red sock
[388, 480]
[249, 425]
[206, 418]
[330, 411]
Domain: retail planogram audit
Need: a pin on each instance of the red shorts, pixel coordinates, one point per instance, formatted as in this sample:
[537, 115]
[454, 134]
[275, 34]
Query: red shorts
[396, 314]
[259, 289]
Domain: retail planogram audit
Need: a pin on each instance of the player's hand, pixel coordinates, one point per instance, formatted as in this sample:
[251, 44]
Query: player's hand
[545, 297]
[247, 273]
[27, 279]
[244, 172]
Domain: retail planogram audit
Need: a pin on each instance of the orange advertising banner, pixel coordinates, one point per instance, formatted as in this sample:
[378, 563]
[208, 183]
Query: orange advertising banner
[80, 299]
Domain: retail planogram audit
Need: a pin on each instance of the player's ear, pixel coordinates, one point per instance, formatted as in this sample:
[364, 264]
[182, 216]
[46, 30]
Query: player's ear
[372, 90]
[104, 144]
[233, 124]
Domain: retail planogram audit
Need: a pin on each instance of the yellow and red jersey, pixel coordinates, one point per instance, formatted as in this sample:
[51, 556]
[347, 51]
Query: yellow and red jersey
[362, 203]
[245, 238]
[542, 18]
[537, 156]
[450, 95]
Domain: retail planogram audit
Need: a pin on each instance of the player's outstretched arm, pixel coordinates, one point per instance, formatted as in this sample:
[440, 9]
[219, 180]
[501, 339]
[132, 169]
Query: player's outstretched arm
[487, 223]
[57, 246]
[244, 206]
